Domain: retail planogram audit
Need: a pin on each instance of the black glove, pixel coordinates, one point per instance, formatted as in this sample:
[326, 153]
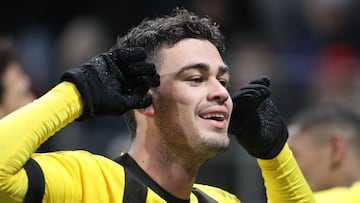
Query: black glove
[114, 82]
[256, 122]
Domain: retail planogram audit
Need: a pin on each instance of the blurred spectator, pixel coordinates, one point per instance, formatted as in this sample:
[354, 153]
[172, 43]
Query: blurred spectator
[15, 85]
[249, 57]
[82, 38]
[307, 38]
[233, 16]
[36, 51]
[325, 141]
[335, 77]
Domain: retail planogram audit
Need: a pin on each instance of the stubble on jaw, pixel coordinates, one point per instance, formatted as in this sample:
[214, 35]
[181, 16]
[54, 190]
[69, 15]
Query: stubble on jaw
[195, 147]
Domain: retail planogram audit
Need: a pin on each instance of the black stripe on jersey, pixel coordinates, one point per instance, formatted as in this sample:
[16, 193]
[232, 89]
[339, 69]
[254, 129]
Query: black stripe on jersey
[133, 170]
[202, 197]
[134, 190]
[36, 182]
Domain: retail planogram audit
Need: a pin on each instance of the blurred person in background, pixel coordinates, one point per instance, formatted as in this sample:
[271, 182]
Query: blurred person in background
[309, 39]
[335, 78]
[15, 84]
[325, 141]
[82, 37]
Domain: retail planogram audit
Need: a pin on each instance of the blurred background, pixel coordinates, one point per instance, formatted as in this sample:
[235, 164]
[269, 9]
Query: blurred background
[309, 48]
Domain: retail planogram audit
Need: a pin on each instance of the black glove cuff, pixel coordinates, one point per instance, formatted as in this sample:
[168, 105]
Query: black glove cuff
[85, 82]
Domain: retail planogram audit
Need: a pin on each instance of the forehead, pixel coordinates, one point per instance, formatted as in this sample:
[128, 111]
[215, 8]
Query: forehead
[189, 51]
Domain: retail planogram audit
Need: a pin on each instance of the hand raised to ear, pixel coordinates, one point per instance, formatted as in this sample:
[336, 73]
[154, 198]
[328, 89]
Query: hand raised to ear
[114, 82]
[256, 122]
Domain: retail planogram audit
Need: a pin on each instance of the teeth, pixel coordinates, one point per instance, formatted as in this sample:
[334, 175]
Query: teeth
[213, 115]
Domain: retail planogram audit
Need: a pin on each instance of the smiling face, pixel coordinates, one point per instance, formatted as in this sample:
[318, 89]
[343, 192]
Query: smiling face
[192, 105]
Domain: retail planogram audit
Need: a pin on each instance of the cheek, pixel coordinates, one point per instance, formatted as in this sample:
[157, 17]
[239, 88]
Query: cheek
[312, 163]
[306, 161]
[304, 155]
[229, 103]
[177, 106]
[173, 92]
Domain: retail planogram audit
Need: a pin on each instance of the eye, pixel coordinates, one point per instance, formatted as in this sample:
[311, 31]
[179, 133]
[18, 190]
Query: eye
[196, 80]
[224, 82]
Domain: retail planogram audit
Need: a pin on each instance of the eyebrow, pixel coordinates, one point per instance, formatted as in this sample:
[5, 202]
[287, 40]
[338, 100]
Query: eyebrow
[203, 68]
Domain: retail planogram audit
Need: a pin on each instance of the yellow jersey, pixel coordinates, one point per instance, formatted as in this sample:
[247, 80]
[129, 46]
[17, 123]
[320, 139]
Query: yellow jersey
[339, 194]
[80, 176]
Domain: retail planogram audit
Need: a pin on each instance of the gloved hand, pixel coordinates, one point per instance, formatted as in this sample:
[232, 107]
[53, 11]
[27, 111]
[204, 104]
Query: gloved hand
[256, 122]
[114, 82]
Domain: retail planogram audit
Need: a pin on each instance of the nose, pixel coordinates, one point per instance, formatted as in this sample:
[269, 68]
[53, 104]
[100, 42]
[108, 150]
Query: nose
[217, 92]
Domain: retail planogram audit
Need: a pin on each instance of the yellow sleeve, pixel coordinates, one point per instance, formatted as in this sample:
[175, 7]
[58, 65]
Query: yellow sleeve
[23, 131]
[284, 181]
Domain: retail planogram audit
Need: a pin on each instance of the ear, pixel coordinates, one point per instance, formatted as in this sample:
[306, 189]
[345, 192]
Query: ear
[339, 148]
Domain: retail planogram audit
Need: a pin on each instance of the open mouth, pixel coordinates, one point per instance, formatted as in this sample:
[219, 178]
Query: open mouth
[214, 116]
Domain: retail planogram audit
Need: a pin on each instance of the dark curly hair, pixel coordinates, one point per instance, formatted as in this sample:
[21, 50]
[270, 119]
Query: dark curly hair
[152, 34]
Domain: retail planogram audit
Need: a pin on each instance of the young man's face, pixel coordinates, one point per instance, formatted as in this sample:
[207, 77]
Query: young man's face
[192, 104]
[17, 90]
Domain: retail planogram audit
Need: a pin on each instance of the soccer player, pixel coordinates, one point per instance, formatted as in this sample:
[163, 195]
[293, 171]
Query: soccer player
[326, 143]
[168, 78]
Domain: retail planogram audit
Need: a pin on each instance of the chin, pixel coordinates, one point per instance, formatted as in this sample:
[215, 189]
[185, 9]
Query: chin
[218, 145]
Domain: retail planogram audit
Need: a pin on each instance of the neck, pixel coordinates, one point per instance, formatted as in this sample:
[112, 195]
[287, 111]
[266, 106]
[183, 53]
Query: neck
[2, 112]
[353, 169]
[164, 168]
[348, 172]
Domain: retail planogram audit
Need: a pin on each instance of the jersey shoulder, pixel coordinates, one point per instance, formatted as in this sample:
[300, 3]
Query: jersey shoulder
[339, 194]
[216, 193]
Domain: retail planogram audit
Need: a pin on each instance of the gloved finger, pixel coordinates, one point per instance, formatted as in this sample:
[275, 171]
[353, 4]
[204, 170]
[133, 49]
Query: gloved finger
[261, 89]
[140, 68]
[154, 81]
[245, 93]
[151, 81]
[244, 99]
[261, 92]
[111, 70]
[262, 80]
[133, 81]
[145, 102]
[128, 54]
[137, 97]
[255, 87]
[251, 95]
